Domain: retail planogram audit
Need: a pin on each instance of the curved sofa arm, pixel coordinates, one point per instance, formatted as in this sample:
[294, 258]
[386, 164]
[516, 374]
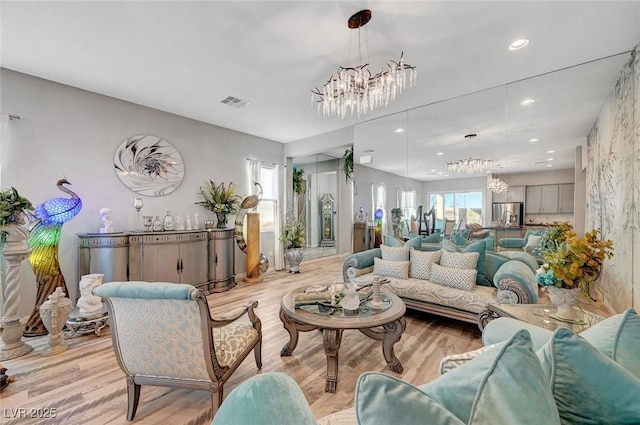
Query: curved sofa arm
[516, 283]
[512, 243]
[360, 260]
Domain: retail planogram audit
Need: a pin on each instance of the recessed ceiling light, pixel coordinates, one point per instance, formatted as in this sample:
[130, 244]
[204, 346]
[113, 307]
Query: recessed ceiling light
[549, 165]
[534, 140]
[365, 159]
[446, 175]
[518, 44]
[527, 102]
[489, 171]
[440, 172]
[399, 130]
[433, 169]
[440, 153]
[549, 159]
[552, 151]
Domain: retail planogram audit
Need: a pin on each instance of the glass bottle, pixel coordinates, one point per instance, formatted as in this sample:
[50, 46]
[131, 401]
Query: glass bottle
[168, 222]
[157, 224]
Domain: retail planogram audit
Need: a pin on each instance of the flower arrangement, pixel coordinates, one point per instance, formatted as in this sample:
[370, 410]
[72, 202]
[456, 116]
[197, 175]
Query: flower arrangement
[292, 234]
[14, 208]
[220, 199]
[572, 262]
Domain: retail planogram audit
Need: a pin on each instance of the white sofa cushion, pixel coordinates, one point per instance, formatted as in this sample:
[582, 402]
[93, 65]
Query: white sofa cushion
[423, 290]
[454, 277]
[421, 262]
[397, 269]
[459, 260]
[395, 253]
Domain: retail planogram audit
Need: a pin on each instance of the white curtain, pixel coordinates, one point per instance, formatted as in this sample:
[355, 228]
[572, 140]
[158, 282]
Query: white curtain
[278, 251]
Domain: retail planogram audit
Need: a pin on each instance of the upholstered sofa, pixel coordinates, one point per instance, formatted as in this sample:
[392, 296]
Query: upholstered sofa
[550, 378]
[497, 279]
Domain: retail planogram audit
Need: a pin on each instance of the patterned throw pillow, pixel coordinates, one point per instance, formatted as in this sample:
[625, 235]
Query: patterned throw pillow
[421, 262]
[397, 269]
[453, 277]
[459, 260]
[395, 253]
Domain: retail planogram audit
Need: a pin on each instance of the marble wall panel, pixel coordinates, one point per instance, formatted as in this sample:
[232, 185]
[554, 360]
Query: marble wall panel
[612, 185]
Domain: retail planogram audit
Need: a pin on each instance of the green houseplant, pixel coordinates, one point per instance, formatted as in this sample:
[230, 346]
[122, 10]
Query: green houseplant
[297, 180]
[220, 199]
[572, 266]
[292, 236]
[14, 209]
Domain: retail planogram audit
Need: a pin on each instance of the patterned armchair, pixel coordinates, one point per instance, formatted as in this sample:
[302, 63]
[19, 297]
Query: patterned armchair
[163, 334]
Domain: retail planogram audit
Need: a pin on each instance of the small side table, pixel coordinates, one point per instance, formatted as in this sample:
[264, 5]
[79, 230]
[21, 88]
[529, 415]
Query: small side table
[84, 323]
[536, 314]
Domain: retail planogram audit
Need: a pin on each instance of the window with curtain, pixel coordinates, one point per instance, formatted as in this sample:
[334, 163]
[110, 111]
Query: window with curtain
[467, 206]
[378, 197]
[268, 179]
[407, 203]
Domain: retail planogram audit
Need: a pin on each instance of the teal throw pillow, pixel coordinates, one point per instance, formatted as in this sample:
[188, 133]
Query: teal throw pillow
[384, 399]
[500, 386]
[432, 238]
[463, 233]
[269, 398]
[529, 232]
[480, 248]
[589, 387]
[618, 337]
[459, 240]
[393, 241]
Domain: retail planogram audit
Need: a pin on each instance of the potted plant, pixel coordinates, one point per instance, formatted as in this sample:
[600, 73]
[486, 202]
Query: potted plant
[297, 180]
[292, 236]
[221, 200]
[572, 266]
[14, 211]
[396, 221]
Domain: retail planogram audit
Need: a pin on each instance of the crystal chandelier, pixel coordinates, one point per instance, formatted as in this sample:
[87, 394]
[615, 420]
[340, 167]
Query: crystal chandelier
[357, 89]
[497, 185]
[471, 165]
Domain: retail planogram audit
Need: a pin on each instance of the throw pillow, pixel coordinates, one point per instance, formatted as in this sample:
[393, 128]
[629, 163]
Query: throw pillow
[421, 262]
[453, 277]
[532, 243]
[459, 260]
[415, 242]
[287, 407]
[459, 240]
[450, 246]
[480, 247]
[618, 337]
[384, 399]
[397, 269]
[463, 233]
[589, 387]
[500, 386]
[432, 238]
[529, 232]
[395, 253]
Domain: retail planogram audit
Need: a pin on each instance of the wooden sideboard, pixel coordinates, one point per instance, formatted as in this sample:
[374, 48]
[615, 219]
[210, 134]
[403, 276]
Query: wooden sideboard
[202, 258]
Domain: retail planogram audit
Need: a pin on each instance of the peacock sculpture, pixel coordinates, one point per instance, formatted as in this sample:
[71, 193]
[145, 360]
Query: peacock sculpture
[44, 239]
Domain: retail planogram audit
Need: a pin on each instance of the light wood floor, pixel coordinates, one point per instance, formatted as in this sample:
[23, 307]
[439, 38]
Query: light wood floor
[85, 386]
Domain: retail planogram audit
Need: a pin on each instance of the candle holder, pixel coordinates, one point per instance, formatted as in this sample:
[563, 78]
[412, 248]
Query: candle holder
[376, 302]
[137, 204]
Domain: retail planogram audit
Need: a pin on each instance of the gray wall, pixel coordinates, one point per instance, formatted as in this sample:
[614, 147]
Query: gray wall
[613, 186]
[72, 132]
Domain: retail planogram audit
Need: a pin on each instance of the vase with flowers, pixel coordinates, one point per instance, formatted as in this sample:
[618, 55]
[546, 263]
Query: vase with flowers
[221, 200]
[292, 236]
[571, 267]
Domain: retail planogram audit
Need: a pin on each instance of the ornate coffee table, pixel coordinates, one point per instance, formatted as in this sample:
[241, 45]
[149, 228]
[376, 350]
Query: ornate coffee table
[386, 325]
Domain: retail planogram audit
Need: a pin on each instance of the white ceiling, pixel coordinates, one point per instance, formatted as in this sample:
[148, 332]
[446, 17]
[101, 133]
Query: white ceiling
[185, 57]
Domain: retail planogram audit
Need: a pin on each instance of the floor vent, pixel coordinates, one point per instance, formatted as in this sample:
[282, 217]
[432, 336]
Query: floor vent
[234, 102]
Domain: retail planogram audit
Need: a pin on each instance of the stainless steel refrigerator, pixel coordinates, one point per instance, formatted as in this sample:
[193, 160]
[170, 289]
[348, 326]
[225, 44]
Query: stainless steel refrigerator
[511, 212]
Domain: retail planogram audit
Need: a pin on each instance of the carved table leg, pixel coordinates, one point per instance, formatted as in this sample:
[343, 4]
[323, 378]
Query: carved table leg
[290, 326]
[392, 333]
[332, 339]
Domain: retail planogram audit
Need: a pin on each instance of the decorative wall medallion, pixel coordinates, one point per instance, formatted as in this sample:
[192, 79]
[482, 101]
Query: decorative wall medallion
[149, 165]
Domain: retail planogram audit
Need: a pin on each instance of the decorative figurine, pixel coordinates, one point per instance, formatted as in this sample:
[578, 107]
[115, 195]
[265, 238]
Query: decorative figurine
[54, 313]
[187, 222]
[105, 214]
[179, 222]
[196, 220]
[89, 303]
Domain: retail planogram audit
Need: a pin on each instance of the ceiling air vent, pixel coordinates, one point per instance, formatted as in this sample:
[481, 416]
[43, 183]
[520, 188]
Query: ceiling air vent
[234, 102]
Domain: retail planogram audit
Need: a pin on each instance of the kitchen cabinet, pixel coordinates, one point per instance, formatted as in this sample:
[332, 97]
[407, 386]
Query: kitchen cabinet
[549, 199]
[565, 198]
[514, 194]
[221, 260]
[179, 257]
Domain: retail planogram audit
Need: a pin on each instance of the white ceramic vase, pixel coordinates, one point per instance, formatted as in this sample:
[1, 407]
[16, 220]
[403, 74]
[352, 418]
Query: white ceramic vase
[55, 312]
[565, 300]
[294, 257]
